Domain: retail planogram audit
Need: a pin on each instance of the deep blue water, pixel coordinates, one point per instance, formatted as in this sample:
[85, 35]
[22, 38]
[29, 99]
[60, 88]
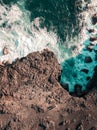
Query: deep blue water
[59, 15]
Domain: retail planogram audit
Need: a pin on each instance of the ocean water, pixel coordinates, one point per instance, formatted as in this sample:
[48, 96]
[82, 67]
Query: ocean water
[59, 25]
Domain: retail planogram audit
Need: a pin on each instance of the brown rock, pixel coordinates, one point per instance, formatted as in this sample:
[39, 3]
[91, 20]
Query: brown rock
[90, 30]
[29, 101]
[93, 128]
[1, 64]
[6, 62]
[79, 127]
[92, 39]
[5, 51]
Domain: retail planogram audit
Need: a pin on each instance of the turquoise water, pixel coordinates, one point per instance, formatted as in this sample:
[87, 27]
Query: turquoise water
[23, 25]
[76, 72]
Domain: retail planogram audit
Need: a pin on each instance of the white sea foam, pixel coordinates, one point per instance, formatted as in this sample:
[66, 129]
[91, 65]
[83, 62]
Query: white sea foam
[21, 37]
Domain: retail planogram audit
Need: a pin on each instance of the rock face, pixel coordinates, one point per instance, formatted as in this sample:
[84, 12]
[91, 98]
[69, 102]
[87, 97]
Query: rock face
[32, 69]
[32, 98]
[94, 19]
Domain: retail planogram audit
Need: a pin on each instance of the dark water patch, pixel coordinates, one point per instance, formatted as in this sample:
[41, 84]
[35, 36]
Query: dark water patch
[59, 15]
[8, 2]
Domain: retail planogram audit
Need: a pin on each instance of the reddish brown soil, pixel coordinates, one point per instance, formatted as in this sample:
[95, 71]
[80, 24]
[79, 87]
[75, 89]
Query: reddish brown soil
[31, 97]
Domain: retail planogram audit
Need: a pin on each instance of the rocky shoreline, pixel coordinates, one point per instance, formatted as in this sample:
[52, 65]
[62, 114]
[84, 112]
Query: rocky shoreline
[31, 97]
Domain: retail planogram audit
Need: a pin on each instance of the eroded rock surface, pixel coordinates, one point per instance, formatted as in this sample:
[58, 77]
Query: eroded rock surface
[31, 97]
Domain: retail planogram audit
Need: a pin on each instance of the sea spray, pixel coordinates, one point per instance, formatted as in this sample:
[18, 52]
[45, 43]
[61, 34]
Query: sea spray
[22, 36]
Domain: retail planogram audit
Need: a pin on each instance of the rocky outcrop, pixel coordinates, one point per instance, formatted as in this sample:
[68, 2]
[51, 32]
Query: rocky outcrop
[32, 69]
[32, 98]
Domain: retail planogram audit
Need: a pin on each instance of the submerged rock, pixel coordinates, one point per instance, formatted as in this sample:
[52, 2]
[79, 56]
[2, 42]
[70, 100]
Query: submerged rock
[88, 59]
[66, 86]
[85, 70]
[90, 48]
[92, 39]
[78, 90]
[88, 78]
[5, 51]
[94, 19]
[91, 30]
